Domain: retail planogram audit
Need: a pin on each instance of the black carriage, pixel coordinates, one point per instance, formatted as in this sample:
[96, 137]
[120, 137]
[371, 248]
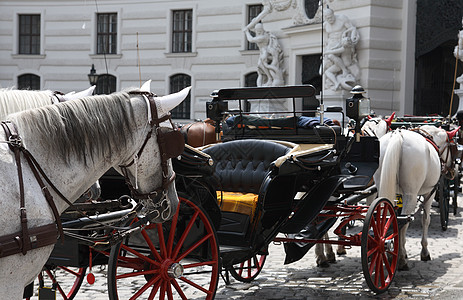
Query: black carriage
[270, 181]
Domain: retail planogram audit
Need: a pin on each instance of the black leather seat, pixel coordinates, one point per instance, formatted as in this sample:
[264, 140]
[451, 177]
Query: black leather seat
[241, 166]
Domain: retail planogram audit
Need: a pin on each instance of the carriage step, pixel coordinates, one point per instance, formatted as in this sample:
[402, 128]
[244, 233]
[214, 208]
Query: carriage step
[232, 249]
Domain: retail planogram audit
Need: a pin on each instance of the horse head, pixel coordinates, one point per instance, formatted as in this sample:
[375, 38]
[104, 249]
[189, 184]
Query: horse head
[149, 170]
[376, 126]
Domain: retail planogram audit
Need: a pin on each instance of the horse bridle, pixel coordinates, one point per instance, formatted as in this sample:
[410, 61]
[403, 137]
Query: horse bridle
[171, 144]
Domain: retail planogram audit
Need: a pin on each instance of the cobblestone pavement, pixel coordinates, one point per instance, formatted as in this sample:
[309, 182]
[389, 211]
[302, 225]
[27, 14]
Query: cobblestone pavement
[440, 278]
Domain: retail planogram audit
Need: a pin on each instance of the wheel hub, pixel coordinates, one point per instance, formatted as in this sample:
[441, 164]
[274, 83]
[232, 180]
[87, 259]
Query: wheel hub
[175, 270]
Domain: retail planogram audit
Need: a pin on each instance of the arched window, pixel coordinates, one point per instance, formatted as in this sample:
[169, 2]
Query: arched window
[178, 82]
[29, 82]
[106, 84]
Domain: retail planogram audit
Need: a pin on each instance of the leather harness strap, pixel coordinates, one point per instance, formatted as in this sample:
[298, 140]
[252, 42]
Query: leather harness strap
[25, 240]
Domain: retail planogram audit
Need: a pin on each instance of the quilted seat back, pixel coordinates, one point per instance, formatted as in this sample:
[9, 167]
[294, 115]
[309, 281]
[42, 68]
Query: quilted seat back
[241, 165]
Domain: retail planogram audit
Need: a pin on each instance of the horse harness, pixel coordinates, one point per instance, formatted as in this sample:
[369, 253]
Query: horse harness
[171, 144]
[449, 146]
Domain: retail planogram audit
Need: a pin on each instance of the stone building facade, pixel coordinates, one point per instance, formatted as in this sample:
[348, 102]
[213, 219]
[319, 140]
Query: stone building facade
[403, 61]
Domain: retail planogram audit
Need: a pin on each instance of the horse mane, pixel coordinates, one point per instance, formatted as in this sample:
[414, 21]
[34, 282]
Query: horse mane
[12, 101]
[80, 128]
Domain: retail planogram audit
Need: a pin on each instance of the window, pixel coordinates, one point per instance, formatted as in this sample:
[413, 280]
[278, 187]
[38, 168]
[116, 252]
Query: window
[250, 80]
[253, 11]
[107, 33]
[28, 82]
[182, 24]
[29, 34]
[105, 85]
[178, 82]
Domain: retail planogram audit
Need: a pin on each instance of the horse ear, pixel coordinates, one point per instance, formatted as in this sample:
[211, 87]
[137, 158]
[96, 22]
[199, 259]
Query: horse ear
[451, 134]
[369, 117]
[146, 87]
[389, 120]
[169, 102]
[81, 94]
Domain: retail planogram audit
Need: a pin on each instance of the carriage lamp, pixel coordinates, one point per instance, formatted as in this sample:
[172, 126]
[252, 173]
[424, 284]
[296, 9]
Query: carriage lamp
[357, 107]
[216, 107]
[93, 76]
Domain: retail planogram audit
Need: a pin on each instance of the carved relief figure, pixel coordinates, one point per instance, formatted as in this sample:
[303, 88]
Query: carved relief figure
[458, 52]
[270, 64]
[268, 7]
[340, 65]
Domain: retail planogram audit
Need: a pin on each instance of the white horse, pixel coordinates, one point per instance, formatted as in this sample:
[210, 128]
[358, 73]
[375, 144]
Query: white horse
[324, 253]
[410, 165]
[74, 143]
[377, 126]
[12, 101]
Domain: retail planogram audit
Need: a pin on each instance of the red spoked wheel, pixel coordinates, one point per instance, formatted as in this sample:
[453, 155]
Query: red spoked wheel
[248, 270]
[380, 245]
[170, 260]
[50, 277]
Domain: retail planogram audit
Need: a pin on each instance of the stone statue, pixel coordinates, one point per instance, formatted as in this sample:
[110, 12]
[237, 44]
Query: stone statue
[340, 65]
[270, 70]
[458, 52]
[267, 7]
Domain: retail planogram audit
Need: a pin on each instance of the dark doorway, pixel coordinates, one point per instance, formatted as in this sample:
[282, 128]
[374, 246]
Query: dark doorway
[437, 26]
[311, 75]
[435, 74]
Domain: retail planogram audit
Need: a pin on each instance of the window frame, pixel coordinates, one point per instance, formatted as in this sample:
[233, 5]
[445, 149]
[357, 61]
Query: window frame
[185, 43]
[251, 15]
[29, 77]
[183, 110]
[107, 35]
[103, 85]
[30, 35]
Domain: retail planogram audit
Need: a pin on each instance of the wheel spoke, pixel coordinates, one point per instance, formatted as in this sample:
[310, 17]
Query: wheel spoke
[387, 265]
[194, 246]
[179, 290]
[169, 291]
[195, 285]
[151, 245]
[154, 280]
[69, 271]
[241, 269]
[162, 243]
[200, 264]
[378, 269]
[249, 267]
[185, 234]
[383, 221]
[173, 226]
[141, 256]
[373, 262]
[134, 274]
